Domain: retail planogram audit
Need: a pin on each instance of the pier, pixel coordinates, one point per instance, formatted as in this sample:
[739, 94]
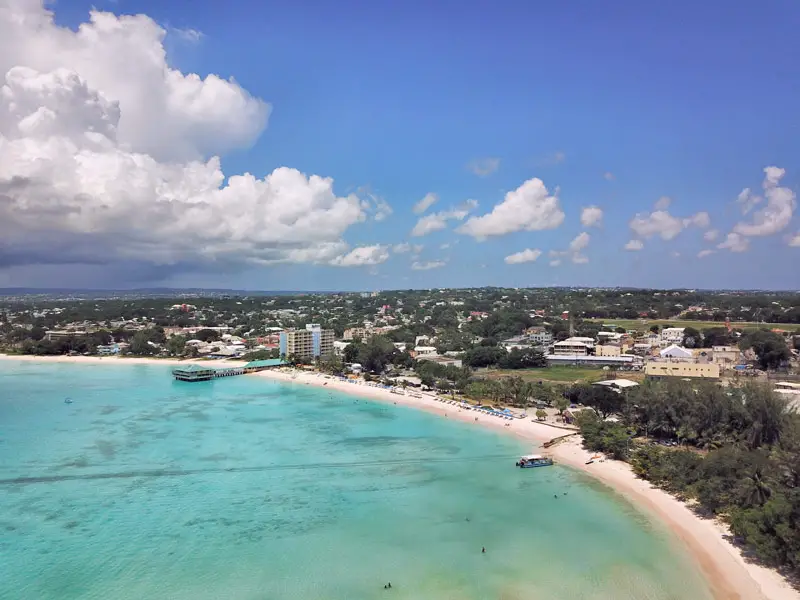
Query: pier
[195, 372]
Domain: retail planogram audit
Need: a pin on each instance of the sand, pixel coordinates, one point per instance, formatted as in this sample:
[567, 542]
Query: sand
[729, 574]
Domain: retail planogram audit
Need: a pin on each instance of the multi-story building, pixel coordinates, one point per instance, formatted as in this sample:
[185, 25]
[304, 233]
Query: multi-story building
[539, 336]
[305, 344]
[574, 346]
[672, 335]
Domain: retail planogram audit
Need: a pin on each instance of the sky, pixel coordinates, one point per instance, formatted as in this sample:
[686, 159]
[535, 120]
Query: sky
[368, 144]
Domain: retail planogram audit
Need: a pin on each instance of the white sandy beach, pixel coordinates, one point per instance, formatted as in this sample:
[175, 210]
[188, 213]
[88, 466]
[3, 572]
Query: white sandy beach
[731, 577]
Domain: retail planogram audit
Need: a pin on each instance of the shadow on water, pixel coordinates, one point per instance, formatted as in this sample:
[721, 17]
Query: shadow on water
[252, 469]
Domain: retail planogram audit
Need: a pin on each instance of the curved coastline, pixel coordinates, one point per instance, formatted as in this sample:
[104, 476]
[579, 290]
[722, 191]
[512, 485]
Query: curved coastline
[729, 575]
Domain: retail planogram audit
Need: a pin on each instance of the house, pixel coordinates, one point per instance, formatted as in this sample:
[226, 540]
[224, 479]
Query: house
[678, 352]
[672, 335]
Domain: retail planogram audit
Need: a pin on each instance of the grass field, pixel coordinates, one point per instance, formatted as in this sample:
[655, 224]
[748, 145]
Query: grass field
[560, 374]
[645, 324]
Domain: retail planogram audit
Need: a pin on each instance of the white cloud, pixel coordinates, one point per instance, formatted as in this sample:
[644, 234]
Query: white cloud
[676, 254]
[663, 203]
[704, 253]
[401, 248]
[526, 255]
[608, 176]
[734, 242]
[711, 235]
[362, 256]
[438, 221]
[529, 208]
[102, 158]
[483, 167]
[661, 223]
[374, 204]
[426, 266]
[444, 246]
[424, 204]
[551, 160]
[634, 245]
[591, 216]
[164, 113]
[191, 36]
[794, 241]
[556, 262]
[776, 214]
[701, 220]
[580, 242]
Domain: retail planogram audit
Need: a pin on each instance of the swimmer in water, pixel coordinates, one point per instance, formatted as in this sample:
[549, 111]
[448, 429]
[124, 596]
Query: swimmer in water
[483, 550]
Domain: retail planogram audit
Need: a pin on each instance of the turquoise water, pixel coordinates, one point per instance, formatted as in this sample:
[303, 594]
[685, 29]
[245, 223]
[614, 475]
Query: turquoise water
[246, 489]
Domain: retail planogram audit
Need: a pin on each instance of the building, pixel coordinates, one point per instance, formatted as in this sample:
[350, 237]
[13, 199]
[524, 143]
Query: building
[424, 351]
[60, 334]
[658, 369]
[725, 355]
[616, 384]
[677, 352]
[625, 360]
[672, 335]
[573, 346]
[539, 336]
[109, 349]
[306, 344]
[353, 333]
[608, 350]
[610, 336]
[445, 361]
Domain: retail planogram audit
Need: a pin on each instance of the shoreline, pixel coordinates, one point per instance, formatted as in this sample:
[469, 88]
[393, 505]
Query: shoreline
[727, 572]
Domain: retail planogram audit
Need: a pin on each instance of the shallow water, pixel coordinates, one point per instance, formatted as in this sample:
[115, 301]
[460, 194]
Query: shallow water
[247, 489]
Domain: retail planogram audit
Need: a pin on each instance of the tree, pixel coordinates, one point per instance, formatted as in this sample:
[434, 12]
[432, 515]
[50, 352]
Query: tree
[351, 352]
[692, 338]
[561, 403]
[376, 353]
[331, 363]
[770, 348]
[140, 345]
[207, 335]
[483, 356]
[655, 329]
[523, 358]
[541, 414]
[176, 345]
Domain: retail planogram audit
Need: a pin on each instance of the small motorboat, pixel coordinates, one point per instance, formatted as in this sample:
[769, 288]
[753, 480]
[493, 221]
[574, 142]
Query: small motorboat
[534, 460]
[67, 400]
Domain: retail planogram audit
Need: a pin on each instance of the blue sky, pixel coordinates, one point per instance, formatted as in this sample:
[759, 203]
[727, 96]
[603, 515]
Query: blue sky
[615, 105]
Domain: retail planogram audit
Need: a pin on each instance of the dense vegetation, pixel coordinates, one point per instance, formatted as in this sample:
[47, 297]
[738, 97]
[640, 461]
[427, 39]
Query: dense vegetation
[735, 451]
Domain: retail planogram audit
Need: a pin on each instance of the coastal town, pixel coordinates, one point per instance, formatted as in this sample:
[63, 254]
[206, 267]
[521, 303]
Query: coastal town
[693, 393]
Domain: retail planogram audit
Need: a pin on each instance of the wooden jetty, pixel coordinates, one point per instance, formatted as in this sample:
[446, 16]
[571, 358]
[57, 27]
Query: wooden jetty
[195, 372]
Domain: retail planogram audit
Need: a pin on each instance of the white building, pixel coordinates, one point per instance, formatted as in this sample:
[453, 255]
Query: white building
[672, 335]
[675, 351]
[573, 346]
[424, 350]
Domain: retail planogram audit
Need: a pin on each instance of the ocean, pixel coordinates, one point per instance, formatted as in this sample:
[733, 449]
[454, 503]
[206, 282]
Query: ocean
[246, 489]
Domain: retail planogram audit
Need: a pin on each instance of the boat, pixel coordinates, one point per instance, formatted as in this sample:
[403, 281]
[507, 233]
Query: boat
[534, 460]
